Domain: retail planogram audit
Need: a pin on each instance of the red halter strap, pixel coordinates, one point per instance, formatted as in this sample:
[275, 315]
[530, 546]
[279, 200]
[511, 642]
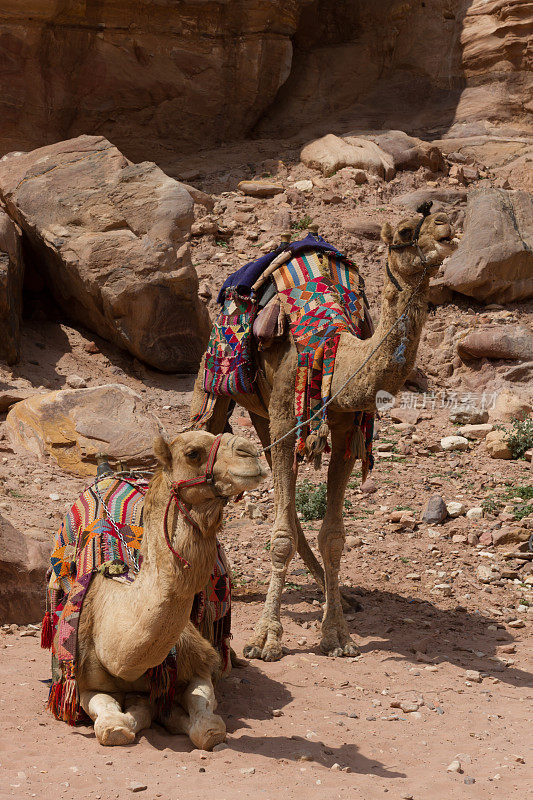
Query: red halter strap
[207, 478]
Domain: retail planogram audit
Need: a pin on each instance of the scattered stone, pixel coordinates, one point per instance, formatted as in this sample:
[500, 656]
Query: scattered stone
[484, 573]
[248, 771]
[496, 444]
[369, 486]
[335, 768]
[353, 541]
[469, 781]
[277, 712]
[469, 415]
[303, 186]
[455, 766]
[516, 623]
[218, 747]
[455, 509]
[475, 431]
[473, 675]
[472, 539]
[435, 511]
[260, 188]
[137, 787]
[454, 443]
[475, 513]
[76, 382]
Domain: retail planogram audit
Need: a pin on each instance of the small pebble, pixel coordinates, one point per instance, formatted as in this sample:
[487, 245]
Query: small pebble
[469, 781]
[137, 787]
[455, 766]
[247, 771]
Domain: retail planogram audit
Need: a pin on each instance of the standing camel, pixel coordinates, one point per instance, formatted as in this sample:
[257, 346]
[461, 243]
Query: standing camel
[416, 248]
[127, 629]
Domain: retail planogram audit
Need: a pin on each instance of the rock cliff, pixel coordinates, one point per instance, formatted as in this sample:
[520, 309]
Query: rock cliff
[163, 77]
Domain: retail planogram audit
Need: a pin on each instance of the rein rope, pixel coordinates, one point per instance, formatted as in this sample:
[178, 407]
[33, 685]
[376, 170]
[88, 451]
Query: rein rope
[176, 486]
[424, 209]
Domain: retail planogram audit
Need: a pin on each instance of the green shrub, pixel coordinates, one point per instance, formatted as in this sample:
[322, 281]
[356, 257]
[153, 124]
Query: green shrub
[311, 500]
[302, 223]
[520, 437]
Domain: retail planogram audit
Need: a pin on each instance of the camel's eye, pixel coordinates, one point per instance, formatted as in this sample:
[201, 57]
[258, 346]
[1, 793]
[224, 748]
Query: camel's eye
[405, 234]
[194, 454]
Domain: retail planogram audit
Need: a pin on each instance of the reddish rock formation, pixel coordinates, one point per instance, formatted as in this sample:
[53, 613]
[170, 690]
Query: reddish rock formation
[23, 564]
[152, 77]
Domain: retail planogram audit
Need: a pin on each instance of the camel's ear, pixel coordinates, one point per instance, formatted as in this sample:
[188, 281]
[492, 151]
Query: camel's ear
[387, 233]
[162, 452]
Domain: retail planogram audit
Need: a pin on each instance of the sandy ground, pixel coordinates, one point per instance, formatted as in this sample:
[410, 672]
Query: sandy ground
[335, 715]
[334, 732]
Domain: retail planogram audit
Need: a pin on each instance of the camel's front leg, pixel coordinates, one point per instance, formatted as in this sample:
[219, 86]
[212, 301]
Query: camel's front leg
[266, 641]
[195, 716]
[112, 726]
[336, 640]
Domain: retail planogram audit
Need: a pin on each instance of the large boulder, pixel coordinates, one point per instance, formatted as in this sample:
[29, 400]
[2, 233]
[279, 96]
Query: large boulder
[494, 260]
[409, 152]
[331, 153]
[513, 342]
[109, 238]
[74, 426]
[11, 279]
[23, 564]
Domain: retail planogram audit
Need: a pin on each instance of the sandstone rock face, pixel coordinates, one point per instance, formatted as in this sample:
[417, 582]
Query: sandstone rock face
[331, 153]
[23, 564]
[510, 342]
[74, 426]
[152, 77]
[108, 237]
[11, 278]
[402, 65]
[494, 260]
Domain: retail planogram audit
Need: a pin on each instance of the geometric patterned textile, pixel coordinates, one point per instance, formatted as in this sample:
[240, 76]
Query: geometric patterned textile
[228, 361]
[102, 532]
[320, 296]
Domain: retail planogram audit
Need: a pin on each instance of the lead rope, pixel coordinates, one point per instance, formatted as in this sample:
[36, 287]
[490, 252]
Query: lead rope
[401, 319]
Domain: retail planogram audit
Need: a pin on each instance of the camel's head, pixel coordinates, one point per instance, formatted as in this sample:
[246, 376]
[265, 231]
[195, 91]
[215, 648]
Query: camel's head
[419, 243]
[237, 467]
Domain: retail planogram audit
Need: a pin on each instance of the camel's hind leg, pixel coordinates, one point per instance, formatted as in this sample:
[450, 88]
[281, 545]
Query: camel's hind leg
[196, 716]
[112, 726]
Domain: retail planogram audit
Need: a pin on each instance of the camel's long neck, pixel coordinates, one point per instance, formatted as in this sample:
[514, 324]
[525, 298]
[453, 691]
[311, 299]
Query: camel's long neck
[161, 597]
[388, 368]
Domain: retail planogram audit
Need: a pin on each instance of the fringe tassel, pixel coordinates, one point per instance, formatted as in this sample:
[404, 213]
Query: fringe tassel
[64, 699]
[70, 701]
[47, 631]
[55, 698]
[163, 684]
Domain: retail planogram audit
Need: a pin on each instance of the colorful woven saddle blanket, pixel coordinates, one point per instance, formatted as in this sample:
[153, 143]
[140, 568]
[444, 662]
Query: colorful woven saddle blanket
[102, 532]
[322, 299]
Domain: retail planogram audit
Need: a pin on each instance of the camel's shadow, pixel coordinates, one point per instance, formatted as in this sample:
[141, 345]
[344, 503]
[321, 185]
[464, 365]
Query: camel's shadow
[414, 630]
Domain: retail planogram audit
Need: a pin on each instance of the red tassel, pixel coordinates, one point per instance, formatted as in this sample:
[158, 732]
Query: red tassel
[70, 701]
[47, 632]
[55, 698]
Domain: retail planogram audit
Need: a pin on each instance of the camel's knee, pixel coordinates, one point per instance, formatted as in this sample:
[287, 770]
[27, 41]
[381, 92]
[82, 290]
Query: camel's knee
[282, 548]
[331, 541]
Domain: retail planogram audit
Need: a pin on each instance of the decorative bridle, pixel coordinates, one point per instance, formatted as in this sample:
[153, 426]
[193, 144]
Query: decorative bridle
[207, 478]
[423, 209]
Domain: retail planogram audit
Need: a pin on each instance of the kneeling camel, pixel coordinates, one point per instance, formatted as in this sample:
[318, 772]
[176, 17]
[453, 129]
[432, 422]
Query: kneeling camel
[126, 630]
